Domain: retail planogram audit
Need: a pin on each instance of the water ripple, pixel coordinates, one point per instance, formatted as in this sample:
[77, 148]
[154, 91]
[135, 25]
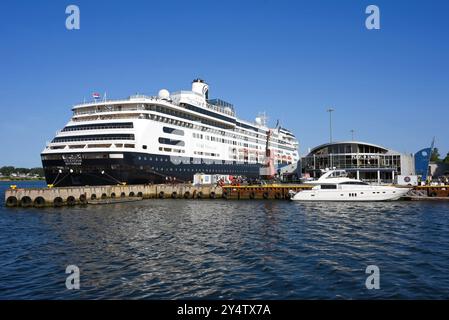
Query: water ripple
[177, 249]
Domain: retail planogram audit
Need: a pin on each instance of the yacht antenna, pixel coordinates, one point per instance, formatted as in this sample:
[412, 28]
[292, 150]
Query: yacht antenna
[330, 110]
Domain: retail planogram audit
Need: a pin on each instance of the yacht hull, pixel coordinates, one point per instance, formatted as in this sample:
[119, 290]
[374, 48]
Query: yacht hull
[374, 193]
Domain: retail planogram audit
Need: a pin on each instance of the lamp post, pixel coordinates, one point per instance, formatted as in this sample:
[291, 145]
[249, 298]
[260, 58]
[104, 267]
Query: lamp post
[330, 110]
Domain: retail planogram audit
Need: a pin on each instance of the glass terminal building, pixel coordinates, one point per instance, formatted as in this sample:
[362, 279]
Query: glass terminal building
[366, 161]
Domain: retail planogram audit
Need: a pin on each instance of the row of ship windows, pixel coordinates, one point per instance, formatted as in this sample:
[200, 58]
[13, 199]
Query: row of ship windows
[164, 149]
[184, 115]
[207, 154]
[191, 160]
[120, 145]
[170, 111]
[99, 126]
[82, 146]
[207, 129]
[94, 137]
[209, 113]
[250, 131]
[206, 137]
[130, 125]
[173, 142]
[196, 170]
[194, 126]
[223, 140]
[172, 150]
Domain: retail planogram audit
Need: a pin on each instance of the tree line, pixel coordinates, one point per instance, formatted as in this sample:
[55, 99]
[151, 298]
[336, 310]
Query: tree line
[9, 170]
[436, 157]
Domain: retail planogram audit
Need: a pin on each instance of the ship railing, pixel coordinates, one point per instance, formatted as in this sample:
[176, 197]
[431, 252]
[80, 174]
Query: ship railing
[99, 102]
[94, 110]
[220, 109]
[94, 104]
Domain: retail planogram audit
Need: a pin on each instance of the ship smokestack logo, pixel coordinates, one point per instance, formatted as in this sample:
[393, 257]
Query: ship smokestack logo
[206, 91]
[200, 87]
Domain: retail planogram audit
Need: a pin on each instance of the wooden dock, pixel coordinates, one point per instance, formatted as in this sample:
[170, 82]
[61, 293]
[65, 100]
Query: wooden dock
[262, 192]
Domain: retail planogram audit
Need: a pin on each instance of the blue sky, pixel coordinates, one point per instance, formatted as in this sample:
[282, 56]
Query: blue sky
[292, 59]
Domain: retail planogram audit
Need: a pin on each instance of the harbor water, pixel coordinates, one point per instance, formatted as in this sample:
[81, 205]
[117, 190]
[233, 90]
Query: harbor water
[218, 249]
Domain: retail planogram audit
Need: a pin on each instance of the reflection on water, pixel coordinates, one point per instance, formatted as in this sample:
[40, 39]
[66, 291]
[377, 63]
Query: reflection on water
[226, 249]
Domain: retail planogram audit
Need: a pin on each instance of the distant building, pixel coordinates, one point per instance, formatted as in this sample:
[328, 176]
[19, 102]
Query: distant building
[438, 169]
[422, 161]
[367, 161]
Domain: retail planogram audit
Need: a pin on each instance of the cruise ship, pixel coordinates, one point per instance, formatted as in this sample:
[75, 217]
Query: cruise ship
[154, 139]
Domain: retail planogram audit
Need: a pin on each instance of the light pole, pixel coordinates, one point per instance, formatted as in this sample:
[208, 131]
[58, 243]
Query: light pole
[352, 134]
[330, 110]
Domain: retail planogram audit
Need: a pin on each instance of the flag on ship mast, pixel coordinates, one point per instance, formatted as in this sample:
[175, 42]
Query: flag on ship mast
[96, 95]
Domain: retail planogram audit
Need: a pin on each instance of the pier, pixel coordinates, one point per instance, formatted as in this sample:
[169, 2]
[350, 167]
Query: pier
[94, 195]
[71, 196]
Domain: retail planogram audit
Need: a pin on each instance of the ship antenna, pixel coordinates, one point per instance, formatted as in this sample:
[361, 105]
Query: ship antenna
[263, 118]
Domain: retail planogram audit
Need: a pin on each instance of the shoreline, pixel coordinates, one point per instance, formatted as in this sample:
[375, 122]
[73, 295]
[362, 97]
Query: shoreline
[18, 180]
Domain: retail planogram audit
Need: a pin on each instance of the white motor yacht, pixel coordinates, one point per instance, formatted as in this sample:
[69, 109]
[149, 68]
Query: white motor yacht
[335, 185]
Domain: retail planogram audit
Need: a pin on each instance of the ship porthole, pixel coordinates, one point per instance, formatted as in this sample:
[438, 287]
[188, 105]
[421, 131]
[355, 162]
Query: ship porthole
[58, 202]
[71, 201]
[25, 202]
[11, 202]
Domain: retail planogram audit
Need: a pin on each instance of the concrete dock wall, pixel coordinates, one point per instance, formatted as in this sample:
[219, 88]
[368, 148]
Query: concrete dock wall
[70, 196]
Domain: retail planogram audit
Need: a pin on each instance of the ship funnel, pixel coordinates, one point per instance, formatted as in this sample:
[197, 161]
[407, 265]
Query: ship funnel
[201, 87]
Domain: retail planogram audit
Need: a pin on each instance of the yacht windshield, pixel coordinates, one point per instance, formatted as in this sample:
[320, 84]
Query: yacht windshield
[338, 174]
[328, 186]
